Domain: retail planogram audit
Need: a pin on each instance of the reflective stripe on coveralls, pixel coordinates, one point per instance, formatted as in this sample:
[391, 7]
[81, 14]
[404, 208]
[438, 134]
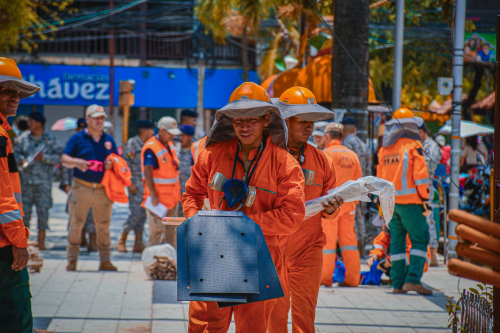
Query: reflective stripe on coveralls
[12, 229]
[303, 254]
[277, 214]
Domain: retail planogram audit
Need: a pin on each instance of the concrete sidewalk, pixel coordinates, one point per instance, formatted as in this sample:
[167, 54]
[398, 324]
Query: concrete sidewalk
[126, 301]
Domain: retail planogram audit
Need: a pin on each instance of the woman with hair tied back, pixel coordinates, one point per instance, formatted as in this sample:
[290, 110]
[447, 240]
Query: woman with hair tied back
[474, 154]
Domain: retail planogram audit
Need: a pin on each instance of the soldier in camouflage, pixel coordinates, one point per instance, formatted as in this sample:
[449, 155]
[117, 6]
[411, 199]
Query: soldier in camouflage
[37, 177]
[183, 150]
[137, 217]
[432, 158]
[354, 143]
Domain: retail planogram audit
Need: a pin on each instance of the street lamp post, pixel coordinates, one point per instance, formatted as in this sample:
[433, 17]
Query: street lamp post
[456, 116]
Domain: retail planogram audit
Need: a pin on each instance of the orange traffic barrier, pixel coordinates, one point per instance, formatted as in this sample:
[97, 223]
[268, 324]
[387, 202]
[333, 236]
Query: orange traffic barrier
[477, 237]
[175, 221]
[473, 272]
[476, 222]
[478, 254]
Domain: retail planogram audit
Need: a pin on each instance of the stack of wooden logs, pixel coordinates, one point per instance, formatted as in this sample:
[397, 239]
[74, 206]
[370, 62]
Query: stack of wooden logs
[163, 269]
[34, 262]
[480, 243]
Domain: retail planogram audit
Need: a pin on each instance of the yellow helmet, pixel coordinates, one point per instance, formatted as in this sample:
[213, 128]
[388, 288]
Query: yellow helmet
[250, 90]
[298, 95]
[402, 113]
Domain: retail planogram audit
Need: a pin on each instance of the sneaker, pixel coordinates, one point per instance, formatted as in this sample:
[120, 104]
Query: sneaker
[418, 288]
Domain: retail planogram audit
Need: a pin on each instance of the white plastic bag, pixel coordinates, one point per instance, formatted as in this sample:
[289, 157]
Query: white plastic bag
[358, 190]
[162, 250]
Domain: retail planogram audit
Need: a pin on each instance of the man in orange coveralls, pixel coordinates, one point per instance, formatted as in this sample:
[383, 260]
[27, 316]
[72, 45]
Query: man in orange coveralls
[303, 250]
[15, 295]
[381, 245]
[341, 228]
[248, 143]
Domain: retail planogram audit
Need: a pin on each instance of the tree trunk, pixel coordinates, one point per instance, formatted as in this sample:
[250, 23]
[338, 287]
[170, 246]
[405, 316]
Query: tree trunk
[349, 86]
[478, 77]
[244, 50]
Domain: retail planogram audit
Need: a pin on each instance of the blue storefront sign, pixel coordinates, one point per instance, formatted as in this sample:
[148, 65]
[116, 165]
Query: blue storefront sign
[154, 87]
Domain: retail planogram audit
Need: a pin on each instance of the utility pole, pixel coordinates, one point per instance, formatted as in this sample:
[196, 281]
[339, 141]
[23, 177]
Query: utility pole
[456, 117]
[399, 31]
[201, 87]
[111, 69]
[496, 183]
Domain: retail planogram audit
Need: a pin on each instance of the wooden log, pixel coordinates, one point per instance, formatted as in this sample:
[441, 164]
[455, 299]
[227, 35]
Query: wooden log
[477, 237]
[473, 272]
[475, 222]
[479, 254]
[175, 221]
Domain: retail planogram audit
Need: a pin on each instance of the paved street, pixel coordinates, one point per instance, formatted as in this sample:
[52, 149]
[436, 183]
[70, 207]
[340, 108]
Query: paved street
[125, 301]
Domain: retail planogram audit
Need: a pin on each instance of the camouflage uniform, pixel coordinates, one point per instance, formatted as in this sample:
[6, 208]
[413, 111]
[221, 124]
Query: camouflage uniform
[432, 156]
[37, 178]
[67, 179]
[356, 144]
[137, 217]
[185, 164]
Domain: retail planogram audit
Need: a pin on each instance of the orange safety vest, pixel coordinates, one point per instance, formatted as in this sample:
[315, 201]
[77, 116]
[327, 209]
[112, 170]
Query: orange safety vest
[12, 229]
[166, 177]
[116, 179]
[197, 147]
[403, 164]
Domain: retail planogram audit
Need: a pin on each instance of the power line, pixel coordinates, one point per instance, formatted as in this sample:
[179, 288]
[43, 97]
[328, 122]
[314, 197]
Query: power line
[380, 97]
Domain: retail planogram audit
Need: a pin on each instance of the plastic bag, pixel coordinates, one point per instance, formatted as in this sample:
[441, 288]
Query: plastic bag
[150, 254]
[358, 190]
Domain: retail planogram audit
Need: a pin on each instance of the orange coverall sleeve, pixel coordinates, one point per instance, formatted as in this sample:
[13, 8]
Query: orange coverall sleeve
[381, 244]
[11, 223]
[420, 174]
[196, 186]
[330, 182]
[289, 207]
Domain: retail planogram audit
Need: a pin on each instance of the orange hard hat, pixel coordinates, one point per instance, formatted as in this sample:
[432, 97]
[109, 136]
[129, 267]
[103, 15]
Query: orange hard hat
[402, 113]
[298, 95]
[250, 90]
[9, 67]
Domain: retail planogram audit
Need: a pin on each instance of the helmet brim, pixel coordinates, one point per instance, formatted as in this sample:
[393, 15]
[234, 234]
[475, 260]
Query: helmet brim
[245, 108]
[25, 88]
[308, 112]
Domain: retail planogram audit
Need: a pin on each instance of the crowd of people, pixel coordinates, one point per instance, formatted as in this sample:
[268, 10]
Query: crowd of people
[257, 159]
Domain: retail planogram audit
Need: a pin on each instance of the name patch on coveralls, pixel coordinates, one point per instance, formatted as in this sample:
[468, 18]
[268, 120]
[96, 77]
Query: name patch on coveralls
[392, 159]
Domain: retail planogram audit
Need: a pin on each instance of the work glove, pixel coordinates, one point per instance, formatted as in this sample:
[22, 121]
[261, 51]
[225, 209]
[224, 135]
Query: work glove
[427, 210]
[371, 259]
[385, 265]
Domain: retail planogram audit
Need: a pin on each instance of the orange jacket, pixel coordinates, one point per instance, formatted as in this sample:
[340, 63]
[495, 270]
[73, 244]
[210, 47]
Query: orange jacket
[12, 229]
[115, 180]
[347, 164]
[166, 177]
[197, 147]
[382, 242]
[403, 164]
[325, 177]
[279, 202]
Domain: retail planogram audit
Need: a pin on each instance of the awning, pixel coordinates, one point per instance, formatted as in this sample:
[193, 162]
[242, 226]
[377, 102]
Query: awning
[467, 128]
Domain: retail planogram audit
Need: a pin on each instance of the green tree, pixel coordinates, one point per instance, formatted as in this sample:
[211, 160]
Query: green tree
[22, 20]
[238, 17]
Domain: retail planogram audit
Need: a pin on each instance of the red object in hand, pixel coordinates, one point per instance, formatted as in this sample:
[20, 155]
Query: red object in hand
[96, 166]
